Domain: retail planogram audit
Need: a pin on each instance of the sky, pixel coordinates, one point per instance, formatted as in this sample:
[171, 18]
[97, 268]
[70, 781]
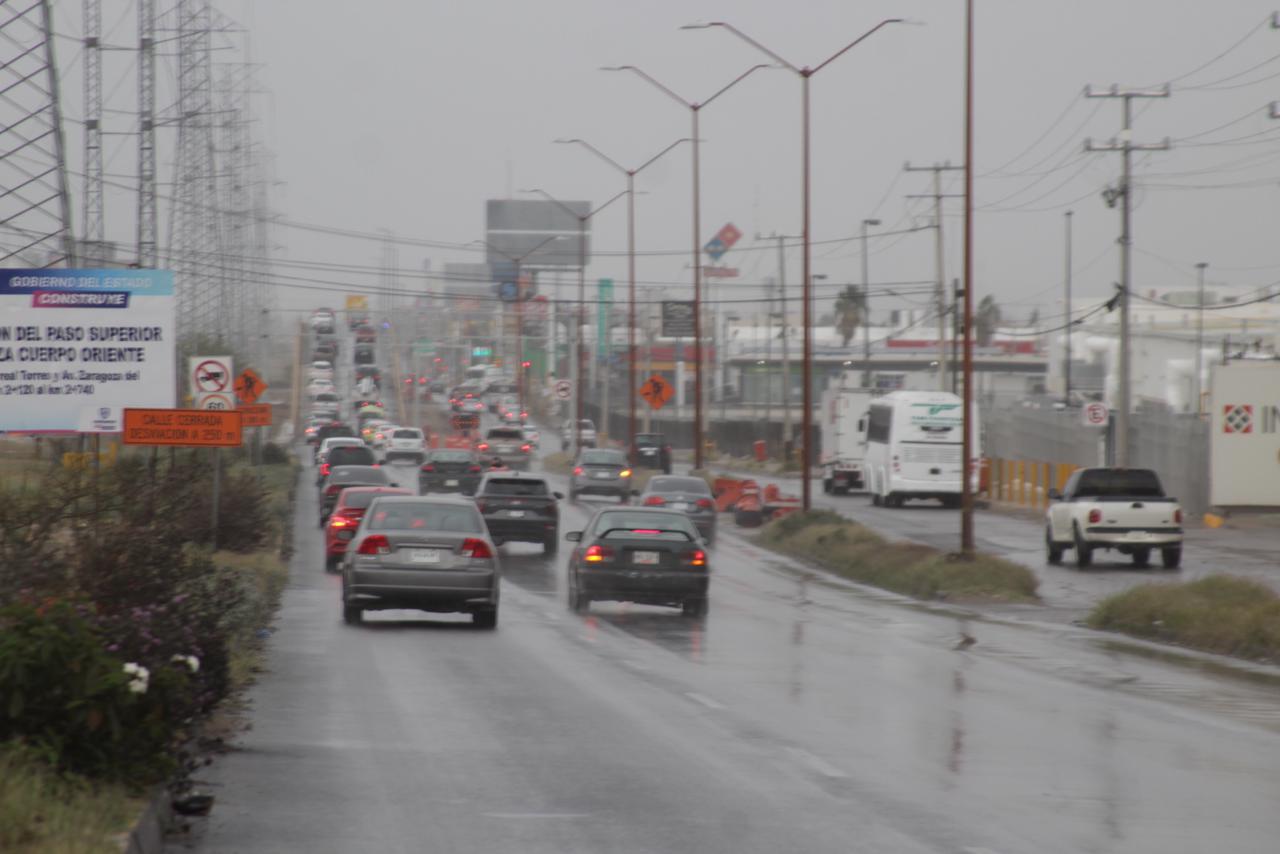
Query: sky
[406, 117]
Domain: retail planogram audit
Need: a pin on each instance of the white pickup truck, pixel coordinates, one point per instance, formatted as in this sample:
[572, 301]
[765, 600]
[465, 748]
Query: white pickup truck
[1111, 508]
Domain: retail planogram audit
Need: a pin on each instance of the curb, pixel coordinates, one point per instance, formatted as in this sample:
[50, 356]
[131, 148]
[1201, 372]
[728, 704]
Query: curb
[147, 834]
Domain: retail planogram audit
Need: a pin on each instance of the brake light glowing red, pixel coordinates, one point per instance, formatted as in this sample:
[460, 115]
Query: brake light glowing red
[483, 446]
[577, 469]
[697, 558]
[374, 544]
[474, 469]
[655, 501]
[705, 503]
[476, 549]
[650, 531]
[1177, 516]
[526, 447]
[1095, 516]
[341, 522]
[597, 553]
[324, 469]
[429, 467]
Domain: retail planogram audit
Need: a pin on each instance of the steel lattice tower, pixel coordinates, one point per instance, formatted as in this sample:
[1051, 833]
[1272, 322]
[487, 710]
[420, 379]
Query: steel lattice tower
[148, 229]
[35, 203]
[233, 163]
[94, 230]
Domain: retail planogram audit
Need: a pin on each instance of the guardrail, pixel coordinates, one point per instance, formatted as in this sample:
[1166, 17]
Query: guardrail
[1024, 483]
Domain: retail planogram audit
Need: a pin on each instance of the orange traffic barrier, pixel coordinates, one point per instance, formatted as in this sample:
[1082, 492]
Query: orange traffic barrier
[748, 510]
[727, 491]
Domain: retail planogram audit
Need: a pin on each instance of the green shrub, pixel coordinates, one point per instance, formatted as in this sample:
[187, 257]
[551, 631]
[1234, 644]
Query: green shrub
[275, 455]
[81, 708]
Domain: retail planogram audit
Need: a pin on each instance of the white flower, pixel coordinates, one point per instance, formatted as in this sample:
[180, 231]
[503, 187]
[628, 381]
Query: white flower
[141, 677]
[138, 686]
[192, 663]
[136, 669]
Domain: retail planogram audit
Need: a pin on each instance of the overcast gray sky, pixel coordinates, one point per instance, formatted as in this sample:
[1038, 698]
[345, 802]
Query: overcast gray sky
[408, 116]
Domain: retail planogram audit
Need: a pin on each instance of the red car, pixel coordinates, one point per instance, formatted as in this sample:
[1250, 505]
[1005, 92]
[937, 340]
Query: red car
[342, 524]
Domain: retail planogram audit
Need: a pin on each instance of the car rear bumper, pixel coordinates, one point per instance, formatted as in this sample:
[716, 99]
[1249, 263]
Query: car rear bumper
[439, 483]
[593, 486]
[521, 530]
[645, 586]
[1137, 537]
[426, 590]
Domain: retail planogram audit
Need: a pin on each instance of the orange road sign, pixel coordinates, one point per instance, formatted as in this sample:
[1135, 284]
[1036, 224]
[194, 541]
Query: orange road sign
[208, 428]
[657, 391]
[249, 386]
[256, 414]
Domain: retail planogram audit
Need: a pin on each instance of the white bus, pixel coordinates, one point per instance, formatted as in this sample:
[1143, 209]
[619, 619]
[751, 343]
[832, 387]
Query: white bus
[914, 448]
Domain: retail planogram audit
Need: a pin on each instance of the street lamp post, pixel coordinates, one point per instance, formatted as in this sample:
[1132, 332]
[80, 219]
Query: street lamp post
[695, 107]
[805, 73]
[1200, 268]
[516, 262]
[631, 274]
[967, 449]
[582, 299]
[866, 308]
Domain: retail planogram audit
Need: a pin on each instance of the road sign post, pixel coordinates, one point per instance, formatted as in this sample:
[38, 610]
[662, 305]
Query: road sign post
[1095, 415]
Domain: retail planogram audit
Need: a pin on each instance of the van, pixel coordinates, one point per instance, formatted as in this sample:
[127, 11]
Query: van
[914, 447]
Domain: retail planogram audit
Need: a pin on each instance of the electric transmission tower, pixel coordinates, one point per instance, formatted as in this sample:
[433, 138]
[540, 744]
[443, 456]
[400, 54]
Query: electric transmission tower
[148, 227]
[92, 242]
[35, 203]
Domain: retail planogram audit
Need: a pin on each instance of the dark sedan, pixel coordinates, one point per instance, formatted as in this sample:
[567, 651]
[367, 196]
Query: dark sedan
[430, 554]
[688, 495]
[644, 555]
[340, 477]
[449, 470]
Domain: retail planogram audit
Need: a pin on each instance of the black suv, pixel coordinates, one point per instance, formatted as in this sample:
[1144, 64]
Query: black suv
[363, 354]
[519, 507]
[651, 451]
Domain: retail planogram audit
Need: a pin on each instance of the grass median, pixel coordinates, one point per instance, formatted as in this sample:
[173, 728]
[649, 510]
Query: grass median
[1220, 613]
[860, 554]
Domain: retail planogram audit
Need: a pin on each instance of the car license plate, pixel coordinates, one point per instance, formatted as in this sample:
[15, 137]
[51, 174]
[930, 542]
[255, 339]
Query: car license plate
[648, 451]
[601, 475]
[679, 505]
[644, 558]
[451, 482]
[515, 514]
[424, 555]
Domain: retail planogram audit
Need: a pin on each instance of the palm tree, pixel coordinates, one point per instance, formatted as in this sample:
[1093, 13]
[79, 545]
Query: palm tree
[987, 320]
[851, 305]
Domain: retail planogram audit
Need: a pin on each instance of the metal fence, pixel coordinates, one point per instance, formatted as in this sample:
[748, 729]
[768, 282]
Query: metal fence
[1175, 445]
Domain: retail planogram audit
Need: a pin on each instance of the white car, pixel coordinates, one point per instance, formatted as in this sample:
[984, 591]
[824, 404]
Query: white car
[319, 385]
[567, 434]
[1121, 509]
[531, 434]
[320, 368]
[381, 434]
[405, 443]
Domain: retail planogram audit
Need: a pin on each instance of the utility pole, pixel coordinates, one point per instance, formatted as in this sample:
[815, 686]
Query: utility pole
[782, 314]
[1200, 268]
[866, 305]
[1125, 145]
[940, 295]
[1066, 363]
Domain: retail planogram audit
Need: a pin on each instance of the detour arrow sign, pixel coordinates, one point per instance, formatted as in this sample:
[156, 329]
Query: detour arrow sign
[201, 428]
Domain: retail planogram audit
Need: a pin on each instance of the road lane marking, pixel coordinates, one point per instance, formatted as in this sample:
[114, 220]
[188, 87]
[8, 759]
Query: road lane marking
[536, 815]
[705, 701]
[816, 764]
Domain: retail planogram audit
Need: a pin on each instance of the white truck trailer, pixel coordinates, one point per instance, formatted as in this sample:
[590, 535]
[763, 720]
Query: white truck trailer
[844, 437]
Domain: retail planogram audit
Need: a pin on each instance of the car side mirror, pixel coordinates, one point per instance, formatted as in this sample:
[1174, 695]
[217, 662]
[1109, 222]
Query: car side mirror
[559, 495]
[574, 536]
[1054, 494]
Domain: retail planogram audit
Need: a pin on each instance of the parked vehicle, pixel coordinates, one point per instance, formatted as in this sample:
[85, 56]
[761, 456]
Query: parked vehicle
[430, 554]
[405, 443]
[506, 443]
[651, 451]
[639, 554]
[1111, 508]
[914, 448]
[341, 477]
[688, 495]
[600, 471]
[842, 421]
[449, 470]
[519, 507]
[587, 428]
[347, 512]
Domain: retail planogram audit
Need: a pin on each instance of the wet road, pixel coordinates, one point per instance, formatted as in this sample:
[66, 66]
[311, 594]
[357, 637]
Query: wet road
[1068, 592]
[801, 715]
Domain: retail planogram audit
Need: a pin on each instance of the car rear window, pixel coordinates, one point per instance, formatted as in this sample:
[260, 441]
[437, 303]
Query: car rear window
[355, 498]
[661, 526]
[500, 433]
[1104, 483]
[359, 474]
[679, 484]
[351, 455]
[648, 439]
[425, 516]
[514, 486]
[603, 457]
[407, 434]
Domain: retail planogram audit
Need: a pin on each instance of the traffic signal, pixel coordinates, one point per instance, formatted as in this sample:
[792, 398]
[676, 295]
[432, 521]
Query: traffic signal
[526, 364]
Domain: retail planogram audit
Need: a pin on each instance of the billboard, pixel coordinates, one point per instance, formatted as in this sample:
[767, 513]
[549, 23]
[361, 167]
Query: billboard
[677, 319]
[1244, 431]
[77, 346]
[542, 234]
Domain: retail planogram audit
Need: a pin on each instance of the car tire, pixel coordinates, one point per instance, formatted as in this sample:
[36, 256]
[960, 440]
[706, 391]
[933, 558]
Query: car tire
[330, 563]
[1084, 551]
[579, 602]
[485, 618]
[694, 608]
[352, 614]
[826, 486]
[1053, 550]
[711, 537]
[550, 545]
[876, 500]
[323, 519]
[1141, 558]
[573, 495]
[1171, 557]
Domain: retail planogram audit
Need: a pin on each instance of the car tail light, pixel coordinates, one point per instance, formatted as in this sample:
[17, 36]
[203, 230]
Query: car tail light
[526, 447]
[524, 415]
[428, 467]
[480, 505]
[655, 501]
[577, 470]
[476, 548]
[697, 557]
[483, 446]
[598, 554]
[374, 544]
[1095, 515]
[324, 469]
[332, 489]
[1177, 516]
[474, 469]
[341, 522]
[705, 503]
[625, 473]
